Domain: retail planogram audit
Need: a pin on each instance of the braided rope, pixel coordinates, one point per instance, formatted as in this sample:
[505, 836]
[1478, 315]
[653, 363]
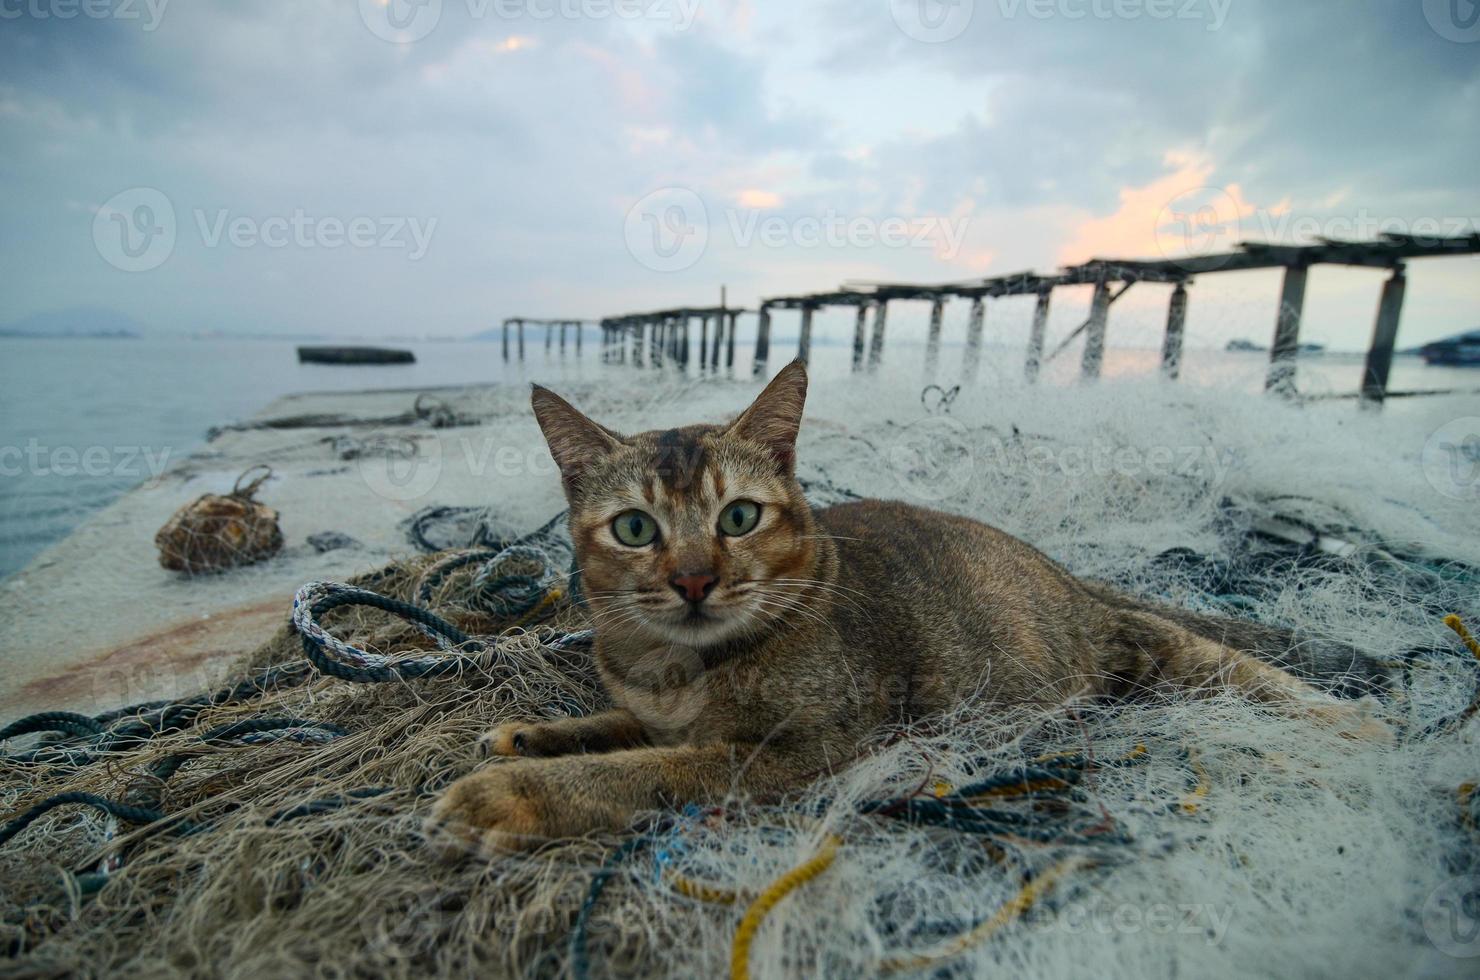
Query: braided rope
[120, 811]
[768, 899]
[1013, 909]
[67, 722]
[580, 953]
[496, 588]
[1458, 625]
[701, 890]
[252, 731]
[337, 658]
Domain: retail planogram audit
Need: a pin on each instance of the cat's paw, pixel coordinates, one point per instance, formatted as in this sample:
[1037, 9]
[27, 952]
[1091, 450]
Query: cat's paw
[492, 811]
[523, 739]
[1353, 720]
[507, 740]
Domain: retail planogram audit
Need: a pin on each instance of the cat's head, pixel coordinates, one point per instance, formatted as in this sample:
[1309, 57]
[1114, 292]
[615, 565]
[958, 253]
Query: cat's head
[696, 535]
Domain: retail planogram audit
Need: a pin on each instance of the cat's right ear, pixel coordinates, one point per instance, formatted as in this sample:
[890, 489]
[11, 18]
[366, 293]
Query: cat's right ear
[575, 441]
[775, 416]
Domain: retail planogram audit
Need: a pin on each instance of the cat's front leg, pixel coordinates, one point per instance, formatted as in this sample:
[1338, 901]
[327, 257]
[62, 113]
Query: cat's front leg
[604, 732]
[522, 804]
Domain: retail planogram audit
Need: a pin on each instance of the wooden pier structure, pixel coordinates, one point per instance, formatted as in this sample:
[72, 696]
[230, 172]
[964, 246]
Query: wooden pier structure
[665, 336]
[551, 326]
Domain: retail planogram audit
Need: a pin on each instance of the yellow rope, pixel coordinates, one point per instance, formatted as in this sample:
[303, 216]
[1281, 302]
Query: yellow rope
[1194, 799]
[1458, 625]
[779, 889]
[1015, 907]
[1018, 789]
[702, 891]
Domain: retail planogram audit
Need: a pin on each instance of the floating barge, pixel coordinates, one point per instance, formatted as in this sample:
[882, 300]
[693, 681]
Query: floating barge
[354, 355]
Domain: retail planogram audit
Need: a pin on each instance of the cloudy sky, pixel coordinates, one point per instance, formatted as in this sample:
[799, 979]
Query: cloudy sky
[394, 167]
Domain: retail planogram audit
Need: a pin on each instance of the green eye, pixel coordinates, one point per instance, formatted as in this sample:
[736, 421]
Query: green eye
[739, 518]
[635, 529]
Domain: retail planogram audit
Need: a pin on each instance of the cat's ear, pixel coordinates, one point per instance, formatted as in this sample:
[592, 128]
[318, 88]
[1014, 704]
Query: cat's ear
[575, 441]
[775, 416]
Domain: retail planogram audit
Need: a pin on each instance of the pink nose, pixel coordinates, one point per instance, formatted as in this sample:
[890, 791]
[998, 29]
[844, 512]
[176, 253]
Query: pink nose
[694, 588]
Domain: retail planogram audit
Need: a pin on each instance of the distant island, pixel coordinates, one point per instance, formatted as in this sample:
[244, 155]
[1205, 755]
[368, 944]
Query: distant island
[79, 321]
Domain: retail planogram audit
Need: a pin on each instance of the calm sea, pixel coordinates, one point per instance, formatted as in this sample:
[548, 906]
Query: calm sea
[83, 421]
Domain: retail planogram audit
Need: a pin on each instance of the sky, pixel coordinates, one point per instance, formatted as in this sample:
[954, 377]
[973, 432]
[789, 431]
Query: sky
[389, 168]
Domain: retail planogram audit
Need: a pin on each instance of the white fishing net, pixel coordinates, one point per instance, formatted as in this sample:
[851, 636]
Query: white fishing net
[1239, 843]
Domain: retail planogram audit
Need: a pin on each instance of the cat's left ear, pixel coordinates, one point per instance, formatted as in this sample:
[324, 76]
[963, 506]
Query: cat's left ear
[575, 441]
[775, 416]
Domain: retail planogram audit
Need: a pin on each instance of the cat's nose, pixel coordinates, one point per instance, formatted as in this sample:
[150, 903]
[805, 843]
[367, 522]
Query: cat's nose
[694, 587]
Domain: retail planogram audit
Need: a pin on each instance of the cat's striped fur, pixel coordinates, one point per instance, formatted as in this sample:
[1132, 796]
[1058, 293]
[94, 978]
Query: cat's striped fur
[821, 628]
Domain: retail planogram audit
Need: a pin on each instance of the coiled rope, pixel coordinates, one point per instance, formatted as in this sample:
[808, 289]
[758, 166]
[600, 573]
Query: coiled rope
[120, 811]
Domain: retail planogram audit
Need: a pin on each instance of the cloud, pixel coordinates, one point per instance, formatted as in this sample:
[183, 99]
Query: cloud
[1037, 140]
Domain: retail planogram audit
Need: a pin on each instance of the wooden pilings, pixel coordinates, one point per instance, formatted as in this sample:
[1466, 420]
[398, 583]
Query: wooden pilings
[974, 325]
[1384, 338]
[1286, 345]
[932, 339]
[1094, 337]
[876, 342]
[1171, 344]
[1036, 337]
[762, 342]
[518, 325]
[730, 342]
[666, 334]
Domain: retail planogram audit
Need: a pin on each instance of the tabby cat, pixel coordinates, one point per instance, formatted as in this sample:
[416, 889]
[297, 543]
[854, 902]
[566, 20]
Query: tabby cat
[750, 643]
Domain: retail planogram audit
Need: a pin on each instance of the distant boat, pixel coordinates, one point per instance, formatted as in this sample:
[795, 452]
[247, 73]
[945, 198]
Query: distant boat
[354, 355]
[1461, 349]
[1249, 345]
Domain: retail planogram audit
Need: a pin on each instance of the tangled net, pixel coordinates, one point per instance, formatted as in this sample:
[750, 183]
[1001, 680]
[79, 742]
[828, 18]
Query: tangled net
[272, 828]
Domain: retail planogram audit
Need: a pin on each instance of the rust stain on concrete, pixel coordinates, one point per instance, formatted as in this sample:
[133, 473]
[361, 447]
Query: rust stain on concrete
[178, 661]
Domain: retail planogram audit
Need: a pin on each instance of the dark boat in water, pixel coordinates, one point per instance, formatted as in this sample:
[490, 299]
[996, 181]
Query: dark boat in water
[354, 355]
[1461, 349]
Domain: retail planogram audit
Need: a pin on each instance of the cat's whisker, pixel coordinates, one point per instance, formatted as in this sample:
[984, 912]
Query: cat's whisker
[797, 609]
[825, 591]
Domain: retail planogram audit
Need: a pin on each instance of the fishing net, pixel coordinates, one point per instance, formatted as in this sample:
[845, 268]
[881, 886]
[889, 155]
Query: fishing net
[273, 827]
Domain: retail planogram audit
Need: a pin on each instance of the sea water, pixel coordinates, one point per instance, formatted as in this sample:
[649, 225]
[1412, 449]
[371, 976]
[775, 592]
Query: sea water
[84, 420]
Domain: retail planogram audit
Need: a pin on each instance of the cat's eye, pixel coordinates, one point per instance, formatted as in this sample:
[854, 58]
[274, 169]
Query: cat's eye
[634, 528]
[739, 517]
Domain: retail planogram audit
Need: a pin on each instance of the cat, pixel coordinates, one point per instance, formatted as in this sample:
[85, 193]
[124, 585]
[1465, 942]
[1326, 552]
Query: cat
[750, 644]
